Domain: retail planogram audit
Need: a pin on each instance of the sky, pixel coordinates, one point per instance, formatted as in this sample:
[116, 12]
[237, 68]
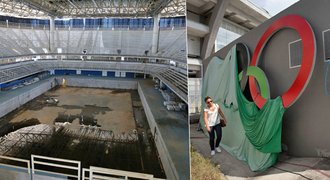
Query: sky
[274, 6]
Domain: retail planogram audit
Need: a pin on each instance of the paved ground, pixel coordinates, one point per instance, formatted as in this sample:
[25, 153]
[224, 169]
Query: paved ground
[291, 168]
[173, 127]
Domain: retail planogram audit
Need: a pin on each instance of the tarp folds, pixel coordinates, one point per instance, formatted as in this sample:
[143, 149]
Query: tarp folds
[251, 135]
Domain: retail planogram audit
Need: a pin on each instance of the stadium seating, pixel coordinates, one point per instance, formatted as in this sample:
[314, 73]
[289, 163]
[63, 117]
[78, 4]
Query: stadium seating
[170, 75]
[23, 41]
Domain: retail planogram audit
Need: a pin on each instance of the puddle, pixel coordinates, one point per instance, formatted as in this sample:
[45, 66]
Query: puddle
[118, 91]
[88, 120]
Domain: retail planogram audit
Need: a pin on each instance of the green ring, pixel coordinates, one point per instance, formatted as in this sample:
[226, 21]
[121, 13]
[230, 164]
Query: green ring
[260, 76]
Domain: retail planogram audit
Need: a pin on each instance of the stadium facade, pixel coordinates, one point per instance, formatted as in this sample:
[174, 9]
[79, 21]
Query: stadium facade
[212, 25]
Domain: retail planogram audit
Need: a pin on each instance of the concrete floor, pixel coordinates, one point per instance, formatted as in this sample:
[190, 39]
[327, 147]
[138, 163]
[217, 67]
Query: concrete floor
[173, 127]
[83, 102]
[288, 168]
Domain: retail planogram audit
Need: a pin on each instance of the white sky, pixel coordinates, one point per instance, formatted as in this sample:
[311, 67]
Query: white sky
[274, 6]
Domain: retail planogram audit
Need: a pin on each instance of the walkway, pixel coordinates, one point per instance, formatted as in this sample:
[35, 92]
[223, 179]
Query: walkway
[289, 168]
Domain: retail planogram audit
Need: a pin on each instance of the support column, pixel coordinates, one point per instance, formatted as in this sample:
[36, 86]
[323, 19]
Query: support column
[161, 85]
[52, 35]
[155, 35]
[214, 25]
[104, 73]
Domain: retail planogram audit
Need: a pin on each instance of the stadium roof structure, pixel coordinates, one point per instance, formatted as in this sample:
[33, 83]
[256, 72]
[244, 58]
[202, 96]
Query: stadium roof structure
[92, 8]
[242, 12]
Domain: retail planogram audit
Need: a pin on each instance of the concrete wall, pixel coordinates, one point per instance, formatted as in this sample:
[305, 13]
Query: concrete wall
[24, 97]
[167, 162]
[306, 124]
[98, 82]
[194, 44]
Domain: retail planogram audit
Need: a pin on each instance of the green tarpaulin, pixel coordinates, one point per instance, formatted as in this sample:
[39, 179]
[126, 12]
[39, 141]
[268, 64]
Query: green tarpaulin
[251, 135]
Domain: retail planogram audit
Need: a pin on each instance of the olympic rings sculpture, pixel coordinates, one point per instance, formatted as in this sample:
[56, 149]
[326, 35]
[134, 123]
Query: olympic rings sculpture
[306, 34]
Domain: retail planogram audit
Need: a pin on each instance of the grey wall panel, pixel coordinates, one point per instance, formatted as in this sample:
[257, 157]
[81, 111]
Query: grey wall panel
[295, 53]
[274, 60]
[99, 83]
[25, 97]
[326, 39]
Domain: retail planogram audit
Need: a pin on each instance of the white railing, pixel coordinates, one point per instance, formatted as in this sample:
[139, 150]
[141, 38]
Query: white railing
[26, 168]
[90, 173]
[107, 174]
[57, 163]
[84, 170]
[127, 174]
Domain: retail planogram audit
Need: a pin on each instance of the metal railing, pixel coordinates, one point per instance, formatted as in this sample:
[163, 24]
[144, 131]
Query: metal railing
[59, 164]
[17, 167]
[105, 174]
[103, 27]
[84, 170]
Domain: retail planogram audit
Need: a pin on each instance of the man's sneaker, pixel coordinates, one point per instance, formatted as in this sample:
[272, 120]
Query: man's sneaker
[212, 153]
[218, 149]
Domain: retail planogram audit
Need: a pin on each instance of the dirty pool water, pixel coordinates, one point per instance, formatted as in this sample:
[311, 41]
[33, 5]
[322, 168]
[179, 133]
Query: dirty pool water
[99, 127]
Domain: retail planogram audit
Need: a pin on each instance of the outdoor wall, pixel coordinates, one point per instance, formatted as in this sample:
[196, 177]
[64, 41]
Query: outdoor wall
[25, 96]
[306, 123]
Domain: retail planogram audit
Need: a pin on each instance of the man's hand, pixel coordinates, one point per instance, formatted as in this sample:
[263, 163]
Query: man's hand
[208, 128]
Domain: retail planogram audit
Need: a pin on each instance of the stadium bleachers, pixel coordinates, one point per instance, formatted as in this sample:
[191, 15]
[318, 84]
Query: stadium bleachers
[172, 44]
[171, 76]
[17, 41]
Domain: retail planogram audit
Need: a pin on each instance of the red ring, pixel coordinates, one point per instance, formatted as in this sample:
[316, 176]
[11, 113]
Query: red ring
[306, 34]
